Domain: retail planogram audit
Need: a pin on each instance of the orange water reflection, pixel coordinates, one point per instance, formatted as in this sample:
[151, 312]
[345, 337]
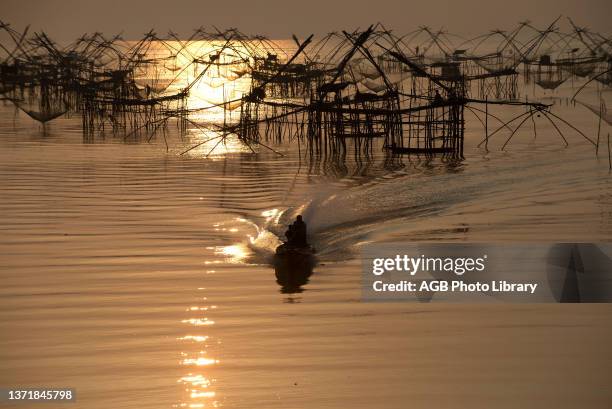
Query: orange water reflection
[216, 75]
[198, 380]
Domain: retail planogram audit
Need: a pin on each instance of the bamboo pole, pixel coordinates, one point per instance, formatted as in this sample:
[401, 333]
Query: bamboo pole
[609, 158]
[599, 127]
[487, 124]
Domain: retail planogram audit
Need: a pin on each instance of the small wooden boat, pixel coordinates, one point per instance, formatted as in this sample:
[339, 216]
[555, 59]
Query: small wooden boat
[287, 250]
[294, 258]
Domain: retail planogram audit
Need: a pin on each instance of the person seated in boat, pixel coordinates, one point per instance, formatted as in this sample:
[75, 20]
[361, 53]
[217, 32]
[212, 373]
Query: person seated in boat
[298, 238]
[290, 234]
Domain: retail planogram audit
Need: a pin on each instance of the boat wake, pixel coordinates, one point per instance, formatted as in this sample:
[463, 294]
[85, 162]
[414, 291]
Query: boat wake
[406, 206]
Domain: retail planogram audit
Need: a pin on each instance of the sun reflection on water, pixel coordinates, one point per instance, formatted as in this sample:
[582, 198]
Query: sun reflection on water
[272, 215]
[195, 338]
[199, 361]
[198, 382]
[235, 253]
[197, 356]
[211, 143]
[216, 79]
[198, 386]
[198, 321]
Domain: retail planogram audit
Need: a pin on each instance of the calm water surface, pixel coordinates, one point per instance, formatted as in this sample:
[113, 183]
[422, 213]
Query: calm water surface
[142, 278]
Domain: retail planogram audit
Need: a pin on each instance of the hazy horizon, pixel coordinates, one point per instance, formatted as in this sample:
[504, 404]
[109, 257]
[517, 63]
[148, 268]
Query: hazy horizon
[67, 20]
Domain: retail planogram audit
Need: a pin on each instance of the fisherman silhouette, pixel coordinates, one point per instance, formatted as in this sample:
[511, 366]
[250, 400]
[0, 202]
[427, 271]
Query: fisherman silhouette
[289, 233]
[296, 233]
[299, 229]
[294, 260]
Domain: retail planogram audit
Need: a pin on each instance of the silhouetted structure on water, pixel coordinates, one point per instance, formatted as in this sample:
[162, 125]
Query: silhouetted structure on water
[410, 91]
